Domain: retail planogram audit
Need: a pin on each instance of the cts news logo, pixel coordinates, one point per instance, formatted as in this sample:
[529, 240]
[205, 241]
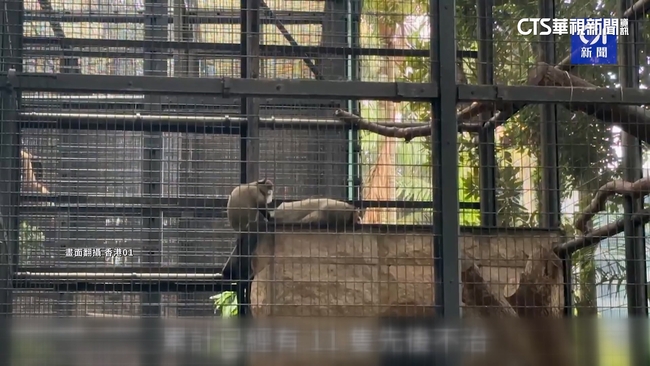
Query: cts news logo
[537, 23]
[593, 40]
[577, 26]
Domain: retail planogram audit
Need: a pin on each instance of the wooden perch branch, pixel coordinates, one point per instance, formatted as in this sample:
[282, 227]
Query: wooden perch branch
[506, 110]
[597, 235]
[634, 120]
[637, 189]
[637, 10]
[527, 324]
[538, 294]
[476, 292]
[409, 133]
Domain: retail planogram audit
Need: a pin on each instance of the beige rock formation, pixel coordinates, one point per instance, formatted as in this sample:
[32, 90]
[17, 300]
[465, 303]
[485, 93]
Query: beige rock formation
[378, 273]
[511, 273]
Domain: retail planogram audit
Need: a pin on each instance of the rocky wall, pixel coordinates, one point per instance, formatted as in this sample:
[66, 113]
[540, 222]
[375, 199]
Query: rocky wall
[377, 274]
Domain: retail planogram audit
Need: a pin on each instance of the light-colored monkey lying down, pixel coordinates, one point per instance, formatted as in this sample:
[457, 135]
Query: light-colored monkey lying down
[323, 211]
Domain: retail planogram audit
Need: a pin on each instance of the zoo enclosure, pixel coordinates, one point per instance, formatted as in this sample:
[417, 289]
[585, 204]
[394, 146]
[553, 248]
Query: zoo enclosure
[60, 107]
[55, 91]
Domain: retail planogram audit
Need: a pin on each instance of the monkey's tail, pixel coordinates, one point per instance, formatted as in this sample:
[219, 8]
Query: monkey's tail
[239, 265]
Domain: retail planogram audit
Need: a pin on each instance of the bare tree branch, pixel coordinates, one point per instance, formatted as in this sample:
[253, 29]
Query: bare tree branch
[477, 293]
[538, 294]
[631, 119]
[637, 189]
[597, 235]
[409, 133]
[537, 76]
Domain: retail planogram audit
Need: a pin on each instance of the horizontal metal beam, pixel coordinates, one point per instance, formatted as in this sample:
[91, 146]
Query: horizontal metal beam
[205, 212]
[152, 286]
[201, 105]
[195, 17]
[231, 48]
[319, 89]
[49, 46]
[72, 201]
[174, 123]
[99, 123]
[214, 121]
[107, 276]
[264, 88]
[73, 268]
[122, 282]
[136, 53]
[553, 94]
[98, 204]
[170, 211]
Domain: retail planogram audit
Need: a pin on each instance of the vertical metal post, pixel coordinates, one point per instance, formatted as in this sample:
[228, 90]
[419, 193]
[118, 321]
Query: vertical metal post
[336, 32]
[550, 185]
[185, 63]
[635, 256]
[192, 147]
[11, 33]
[155, 64]
[445, 158]
[11, 62]
[250, 134]
[567, 269]
[487, 153]
[64, 305]
[633, 163]
[353, 30]
[550, 177]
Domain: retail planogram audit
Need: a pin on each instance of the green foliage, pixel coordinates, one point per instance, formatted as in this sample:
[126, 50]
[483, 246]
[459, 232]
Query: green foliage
[225, 304]
[31, 242]
[587, 155]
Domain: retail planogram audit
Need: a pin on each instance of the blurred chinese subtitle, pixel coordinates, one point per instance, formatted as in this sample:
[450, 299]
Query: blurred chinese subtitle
[98, 252]
[218, 341]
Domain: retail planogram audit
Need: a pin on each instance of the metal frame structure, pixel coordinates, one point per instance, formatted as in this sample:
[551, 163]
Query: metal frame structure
[162, 93]
[241, 113]
[635, 240]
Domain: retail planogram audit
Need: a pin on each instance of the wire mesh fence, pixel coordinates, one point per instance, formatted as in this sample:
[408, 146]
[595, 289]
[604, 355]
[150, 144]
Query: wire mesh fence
[127, 126]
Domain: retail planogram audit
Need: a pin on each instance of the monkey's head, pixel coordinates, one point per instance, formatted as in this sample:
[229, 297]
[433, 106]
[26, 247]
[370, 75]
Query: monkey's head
[265, 192]
[357, 215]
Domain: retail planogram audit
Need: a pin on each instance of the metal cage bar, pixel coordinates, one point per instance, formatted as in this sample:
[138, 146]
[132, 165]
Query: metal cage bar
[550, 180]
[158, 50]
[156, 20]
[208, 49]
[317, 89]
[550, 176]
[354, 72]
[250, 134]
[487, 152]
[633, 161]
[11, 30]
[197, 16]
[445, 159]
[635, 240]
[69, 65]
